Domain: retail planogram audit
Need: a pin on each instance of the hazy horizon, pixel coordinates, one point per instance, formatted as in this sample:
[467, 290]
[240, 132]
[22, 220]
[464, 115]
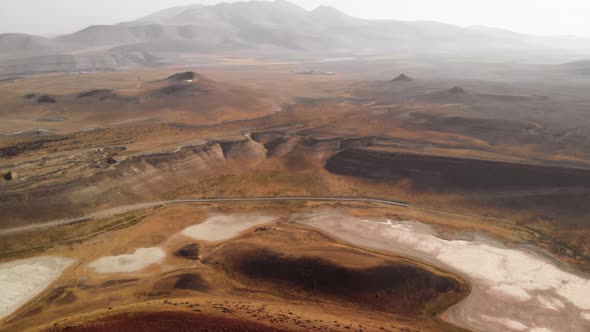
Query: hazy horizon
[550, 17]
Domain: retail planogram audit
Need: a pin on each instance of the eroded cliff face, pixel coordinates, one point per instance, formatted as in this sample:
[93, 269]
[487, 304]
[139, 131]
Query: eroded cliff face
[243, 151]
[132, 180]
[452, 173]
[63, 186]
[541, 192]
[276, 143]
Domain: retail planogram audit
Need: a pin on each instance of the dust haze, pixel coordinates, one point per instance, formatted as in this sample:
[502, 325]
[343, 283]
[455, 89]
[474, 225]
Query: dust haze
[295, 166]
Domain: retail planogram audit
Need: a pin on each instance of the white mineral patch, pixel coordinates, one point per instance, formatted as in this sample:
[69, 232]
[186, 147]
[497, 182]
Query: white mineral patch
[540, 329]
[551, 303]
[137, 261]
[517, 293]
[516, 289]
[224, 227]
[505, 323]
[22, 280]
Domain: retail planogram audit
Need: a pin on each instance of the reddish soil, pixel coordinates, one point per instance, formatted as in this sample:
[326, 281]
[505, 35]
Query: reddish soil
[167, 321]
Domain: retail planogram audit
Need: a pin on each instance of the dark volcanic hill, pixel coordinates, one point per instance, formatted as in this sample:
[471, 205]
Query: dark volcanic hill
[180, 77]
[403, 78]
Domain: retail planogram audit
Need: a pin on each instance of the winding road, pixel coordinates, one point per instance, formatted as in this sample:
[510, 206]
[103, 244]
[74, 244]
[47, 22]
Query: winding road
[129, 208]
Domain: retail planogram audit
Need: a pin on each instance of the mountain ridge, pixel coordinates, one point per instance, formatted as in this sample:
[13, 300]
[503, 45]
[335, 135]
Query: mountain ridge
[265, 27]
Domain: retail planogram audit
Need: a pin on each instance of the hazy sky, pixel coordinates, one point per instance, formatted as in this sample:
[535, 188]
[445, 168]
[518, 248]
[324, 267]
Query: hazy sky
[543, 17]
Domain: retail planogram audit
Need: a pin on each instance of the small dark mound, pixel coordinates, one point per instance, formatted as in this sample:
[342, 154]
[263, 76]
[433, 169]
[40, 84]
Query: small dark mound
[106, 95]
[33, 312]
[8, 176]
[97, 93]
[190, 281]
[403, 78]
[30, 96]
[263, 229]
[46, 99]
[180, 77]
[190, 251]
[68, 298]
[186, 281]
[457, 90]
[56, 294]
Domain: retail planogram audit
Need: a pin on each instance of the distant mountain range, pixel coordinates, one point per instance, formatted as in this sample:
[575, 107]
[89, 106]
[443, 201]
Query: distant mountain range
[263, 27]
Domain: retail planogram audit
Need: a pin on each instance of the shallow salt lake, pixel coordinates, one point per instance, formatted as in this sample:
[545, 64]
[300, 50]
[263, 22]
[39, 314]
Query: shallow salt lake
[137, 261]
[514, 289]
[215, 228]
[224, 227]
[22, 280]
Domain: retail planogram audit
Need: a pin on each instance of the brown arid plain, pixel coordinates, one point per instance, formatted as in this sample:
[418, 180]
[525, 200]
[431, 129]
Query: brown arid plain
[484, 164]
